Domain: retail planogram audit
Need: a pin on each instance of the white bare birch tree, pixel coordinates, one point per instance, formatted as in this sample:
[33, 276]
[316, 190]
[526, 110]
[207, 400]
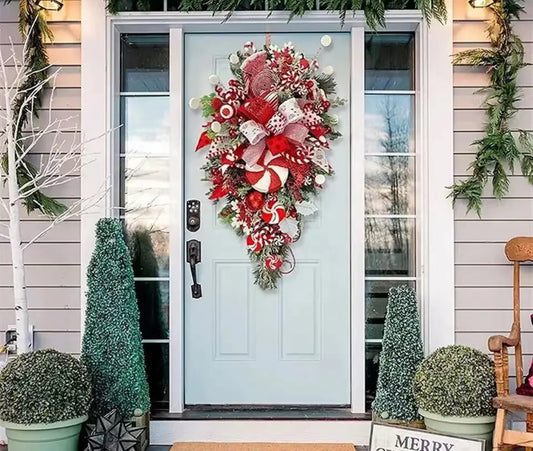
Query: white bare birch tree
[59, 164]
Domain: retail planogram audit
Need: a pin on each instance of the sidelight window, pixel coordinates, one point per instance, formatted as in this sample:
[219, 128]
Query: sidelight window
[143, 202]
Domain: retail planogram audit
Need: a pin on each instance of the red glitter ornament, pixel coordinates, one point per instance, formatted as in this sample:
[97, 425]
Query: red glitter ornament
[255, 200]
[216, 103]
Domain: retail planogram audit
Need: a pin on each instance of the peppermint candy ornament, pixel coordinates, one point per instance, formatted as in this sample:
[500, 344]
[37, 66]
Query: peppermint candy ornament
[269, 174]
[227, 111]
[273, 262]
[273, 212]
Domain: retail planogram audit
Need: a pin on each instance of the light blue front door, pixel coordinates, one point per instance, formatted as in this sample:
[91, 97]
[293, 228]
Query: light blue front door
[286, 346]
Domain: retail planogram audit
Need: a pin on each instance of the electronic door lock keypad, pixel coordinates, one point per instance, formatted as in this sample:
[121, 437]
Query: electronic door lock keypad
[193, 215]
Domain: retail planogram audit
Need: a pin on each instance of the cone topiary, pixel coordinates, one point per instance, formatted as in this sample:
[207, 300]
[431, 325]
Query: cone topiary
[112, 349]
[400, 357]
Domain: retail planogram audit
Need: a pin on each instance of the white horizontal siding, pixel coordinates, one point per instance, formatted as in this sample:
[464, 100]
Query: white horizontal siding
[53, 263]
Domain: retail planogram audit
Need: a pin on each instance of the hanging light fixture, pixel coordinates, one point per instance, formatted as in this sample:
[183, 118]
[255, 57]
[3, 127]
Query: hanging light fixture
[481, 3]
[49, 5]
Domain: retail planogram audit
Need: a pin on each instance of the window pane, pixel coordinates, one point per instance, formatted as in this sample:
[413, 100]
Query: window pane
[372, 370]
[145, 125]
[390, 185]
[145, 61]
[145, 186]
[389, 124]
[152, 298]
[157, 372]
[390, 247]
[377, 292]
[389, 61]
[149, 244]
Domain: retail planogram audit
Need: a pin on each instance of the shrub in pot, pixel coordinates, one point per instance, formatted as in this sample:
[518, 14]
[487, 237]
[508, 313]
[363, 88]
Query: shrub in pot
[454, 388]
[44, 399]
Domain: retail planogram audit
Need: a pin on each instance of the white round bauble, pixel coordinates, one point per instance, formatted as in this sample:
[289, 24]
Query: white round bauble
[326, 40]
[320, 179]
[328, 70]
[216, 127]
[214, 79]
[194, 103]
[234, 58]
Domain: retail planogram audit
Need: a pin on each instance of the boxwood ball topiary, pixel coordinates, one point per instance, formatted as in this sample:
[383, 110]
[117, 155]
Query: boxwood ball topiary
[44, 387]
[456, 381]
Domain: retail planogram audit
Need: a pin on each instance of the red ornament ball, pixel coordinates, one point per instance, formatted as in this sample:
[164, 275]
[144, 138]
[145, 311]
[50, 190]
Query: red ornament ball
[255, 200]
[216, 103]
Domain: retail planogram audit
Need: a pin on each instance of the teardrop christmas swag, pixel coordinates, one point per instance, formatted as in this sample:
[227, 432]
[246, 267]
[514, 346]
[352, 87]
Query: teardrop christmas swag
[268, 135]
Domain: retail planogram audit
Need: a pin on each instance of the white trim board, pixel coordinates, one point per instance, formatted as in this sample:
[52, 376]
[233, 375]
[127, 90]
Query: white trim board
[286, 431]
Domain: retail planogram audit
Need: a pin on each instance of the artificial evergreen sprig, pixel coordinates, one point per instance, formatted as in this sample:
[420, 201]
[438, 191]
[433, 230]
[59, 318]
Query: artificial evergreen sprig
[34, 29]
[502, 148]
[374, 9]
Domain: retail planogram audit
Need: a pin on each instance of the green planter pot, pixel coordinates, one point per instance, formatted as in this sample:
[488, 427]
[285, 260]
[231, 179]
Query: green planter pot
[466, 427]
[59, 436]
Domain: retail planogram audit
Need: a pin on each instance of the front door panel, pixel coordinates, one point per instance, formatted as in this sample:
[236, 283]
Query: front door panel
[290, 345]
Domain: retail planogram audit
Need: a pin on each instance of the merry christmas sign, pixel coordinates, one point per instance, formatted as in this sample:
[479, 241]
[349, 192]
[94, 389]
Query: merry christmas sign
[386, 437]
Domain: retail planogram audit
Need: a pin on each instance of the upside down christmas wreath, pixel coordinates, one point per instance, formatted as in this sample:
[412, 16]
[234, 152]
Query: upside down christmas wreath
[268, 135]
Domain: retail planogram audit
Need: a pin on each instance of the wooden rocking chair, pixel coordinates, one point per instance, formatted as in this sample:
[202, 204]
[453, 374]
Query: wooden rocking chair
[517, 250]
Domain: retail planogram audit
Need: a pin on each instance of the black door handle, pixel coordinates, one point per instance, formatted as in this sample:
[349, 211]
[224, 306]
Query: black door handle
[194, 256]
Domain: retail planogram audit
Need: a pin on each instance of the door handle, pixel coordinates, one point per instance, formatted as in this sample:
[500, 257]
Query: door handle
[194, 256]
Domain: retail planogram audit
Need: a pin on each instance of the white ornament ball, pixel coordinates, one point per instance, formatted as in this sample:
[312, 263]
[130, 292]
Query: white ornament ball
[320, 179]
[194, 103]
[216, 127]
[328, 70]
[214, 79]
[234, 58]
[334, 119]
[326, 40]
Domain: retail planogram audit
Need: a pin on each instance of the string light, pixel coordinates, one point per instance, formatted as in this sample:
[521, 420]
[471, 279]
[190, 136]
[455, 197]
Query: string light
[481, 3]
[49, 5]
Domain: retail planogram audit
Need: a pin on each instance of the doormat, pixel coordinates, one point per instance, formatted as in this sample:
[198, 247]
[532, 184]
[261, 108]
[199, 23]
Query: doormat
[198, 446]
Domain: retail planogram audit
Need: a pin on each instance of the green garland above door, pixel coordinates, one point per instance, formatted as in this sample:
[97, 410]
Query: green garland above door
[374, 9]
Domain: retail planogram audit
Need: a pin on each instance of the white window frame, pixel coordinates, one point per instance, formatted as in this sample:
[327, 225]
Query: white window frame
[434, 111]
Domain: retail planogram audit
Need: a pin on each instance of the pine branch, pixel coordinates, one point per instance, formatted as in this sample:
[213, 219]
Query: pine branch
[373, 9]
[34, 30]
[498, 150]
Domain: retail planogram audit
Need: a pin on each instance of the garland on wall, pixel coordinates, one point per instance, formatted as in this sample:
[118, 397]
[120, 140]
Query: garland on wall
[374, 9]
[34, 29]
[502, 148]
[268, 136]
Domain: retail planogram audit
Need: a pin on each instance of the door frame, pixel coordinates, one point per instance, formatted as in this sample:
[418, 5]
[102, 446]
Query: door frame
[100, 48]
